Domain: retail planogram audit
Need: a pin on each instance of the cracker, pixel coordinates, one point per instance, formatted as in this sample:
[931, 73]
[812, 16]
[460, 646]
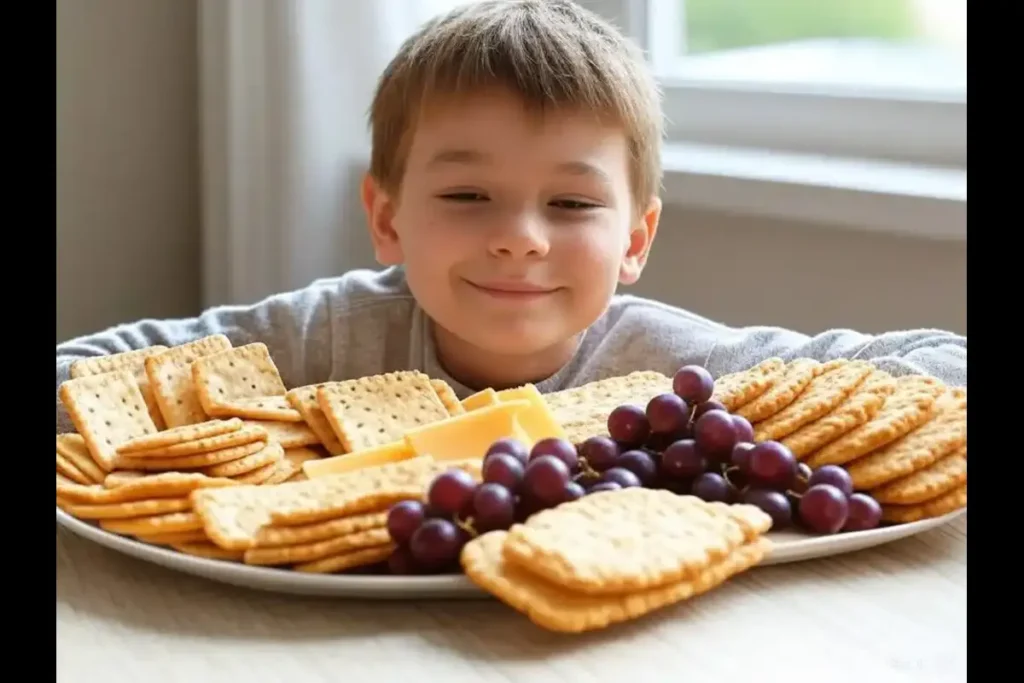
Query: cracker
[107, 410]
[304, 400]
[271, 537]
[121, 477]
[176, 436]
[447, 396]
[879, 382]
[172, 537]
[258, 476]
[288, 434]
[170, 375]
[318, 550]
[936, 507]
[209, 551]
[851, 413]
[583, 411]
[153, 524]
[378, 410]
[297, 456]
[833, 385]
[164, 485]
[944, 433]
[284, 470]
[553, 608]
[135, 362]
[796, 377]
[265, 408]
[192, 462]
[129, 508]
[75, 451]
[347, 560]
[628, 540]
[909, 406]
[68, 469]
[737, 389]
[240, 437]
[941, 477]
[244, 372]
[300, 475]
[269, 454]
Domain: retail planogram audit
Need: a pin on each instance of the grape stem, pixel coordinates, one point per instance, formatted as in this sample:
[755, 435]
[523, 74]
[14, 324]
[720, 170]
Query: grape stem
[586, 471]
[467, 526]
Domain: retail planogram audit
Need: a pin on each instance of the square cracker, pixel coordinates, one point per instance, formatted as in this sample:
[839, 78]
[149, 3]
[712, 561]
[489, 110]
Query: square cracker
[583, 411]
[107, 410]
[448, 398]
[237, 375]
[378, 410]
[553, 608]
[135, 362]
[288, 434]
[73, 449]
[304, 400]
[170, 375]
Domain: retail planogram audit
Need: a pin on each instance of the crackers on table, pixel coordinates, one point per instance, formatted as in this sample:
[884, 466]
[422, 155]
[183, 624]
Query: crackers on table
[941, 505]
[107, 410]
[304, 399]
[173, 522]
[195, 461]
[242, 382]
[270, 536]
[170, 375]
[67, 469]
[135, 362]
[378, 410]
[179, 435]
[946, 474]
[72, 449]
[554, 608]
[270, 453]
[583, 411]
[856, 410]
[288, 434]
[796, 377]
[163, 485]
[347, 560]
[318, 550]
[128, 508]
[737, 389]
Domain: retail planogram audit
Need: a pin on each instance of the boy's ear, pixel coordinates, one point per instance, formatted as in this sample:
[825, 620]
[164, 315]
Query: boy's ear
[641, 236]
[380, 213]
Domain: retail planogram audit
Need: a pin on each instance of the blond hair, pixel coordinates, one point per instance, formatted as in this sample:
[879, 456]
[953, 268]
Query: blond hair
[550, 53]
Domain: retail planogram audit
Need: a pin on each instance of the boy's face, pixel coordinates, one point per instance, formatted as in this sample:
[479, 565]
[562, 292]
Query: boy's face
[514, 231]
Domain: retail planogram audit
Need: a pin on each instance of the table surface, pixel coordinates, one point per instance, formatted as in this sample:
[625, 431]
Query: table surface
[893, 613]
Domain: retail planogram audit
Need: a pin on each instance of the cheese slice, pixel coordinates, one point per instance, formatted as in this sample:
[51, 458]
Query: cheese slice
[468, 436]
[537, 421]
[396, 451]
[481, 399]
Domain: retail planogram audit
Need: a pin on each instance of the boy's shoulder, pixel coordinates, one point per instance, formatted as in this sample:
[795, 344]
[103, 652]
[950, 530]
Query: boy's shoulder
[365, 288]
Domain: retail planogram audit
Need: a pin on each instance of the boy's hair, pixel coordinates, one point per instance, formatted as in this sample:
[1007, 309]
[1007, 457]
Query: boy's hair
[550, 53]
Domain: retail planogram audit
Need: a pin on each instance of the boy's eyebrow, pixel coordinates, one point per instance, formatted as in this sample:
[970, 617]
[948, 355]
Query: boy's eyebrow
[472, 156]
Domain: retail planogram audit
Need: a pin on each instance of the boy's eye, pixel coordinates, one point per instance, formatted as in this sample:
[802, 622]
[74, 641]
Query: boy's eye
[572, 204]
[463, 197]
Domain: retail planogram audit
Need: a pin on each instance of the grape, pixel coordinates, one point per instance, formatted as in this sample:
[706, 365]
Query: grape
[864, 513]
[514, 447]
[604, 486]
[600, 452]
[711, 487]
[704, 407]
[823, 508]
[772, 464]
[774, 503]
[744, 430]
[436, 545]
[641, 464]
[401, 562]
[503, 469]
[404, 518]
[693, 384]
[451, 491]
[573, 491]
[545, 479]
[628, 425]
[715, 433]
[833, 475]
[621, 476]
[682, 460]
[494, 507]
[559, 448]
[667, 414]
[741, 455]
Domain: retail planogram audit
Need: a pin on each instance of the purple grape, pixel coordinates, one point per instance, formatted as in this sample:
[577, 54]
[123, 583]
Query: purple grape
[621, 476]
[505, 470]
[712, 487]
[803, 475]
[833, 475]
[693, 384]
[773, 503]
[715, 433]
[401, 562]
[704, 407]
[514, 447]
[451, 491]
[604, 486]
[772, 464]
[404, 518]
[558, 448]
[628, 425]
[573, 491]
[824, 509]
[741, 455]
[641, 464]
[682, 460]
[494, 507]
[744, 430]
[436, 545]
[667, 414]
[864, 513]
[545, 479]
[600, 452]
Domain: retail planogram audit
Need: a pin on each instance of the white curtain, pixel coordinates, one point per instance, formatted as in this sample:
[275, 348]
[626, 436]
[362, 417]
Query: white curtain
[286, 85]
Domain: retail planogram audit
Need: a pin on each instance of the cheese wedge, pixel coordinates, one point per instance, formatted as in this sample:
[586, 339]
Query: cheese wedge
[481, 399]
[468, 436]
[396, 451]
[537, 421]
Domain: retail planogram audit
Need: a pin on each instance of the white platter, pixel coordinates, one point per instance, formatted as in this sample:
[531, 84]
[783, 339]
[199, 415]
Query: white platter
[789, 547]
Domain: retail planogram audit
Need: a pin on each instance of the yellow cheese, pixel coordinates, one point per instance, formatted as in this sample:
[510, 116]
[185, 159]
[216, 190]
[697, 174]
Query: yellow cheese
[469, 435]
[396, 451]
[481, 399]
[537, 421]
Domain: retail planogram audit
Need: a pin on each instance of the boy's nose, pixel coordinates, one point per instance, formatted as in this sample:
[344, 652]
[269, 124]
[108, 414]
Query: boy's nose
[521, 237]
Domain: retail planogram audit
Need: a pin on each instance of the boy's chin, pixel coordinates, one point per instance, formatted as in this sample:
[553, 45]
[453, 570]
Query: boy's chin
[515, 343]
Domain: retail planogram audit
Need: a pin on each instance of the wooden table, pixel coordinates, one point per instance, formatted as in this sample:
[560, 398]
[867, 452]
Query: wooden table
[894, 613]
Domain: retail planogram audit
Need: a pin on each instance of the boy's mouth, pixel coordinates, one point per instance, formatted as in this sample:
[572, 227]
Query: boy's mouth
[512, 289]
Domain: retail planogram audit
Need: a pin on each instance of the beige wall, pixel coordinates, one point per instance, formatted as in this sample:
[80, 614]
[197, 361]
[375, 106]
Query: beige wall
[128, 238]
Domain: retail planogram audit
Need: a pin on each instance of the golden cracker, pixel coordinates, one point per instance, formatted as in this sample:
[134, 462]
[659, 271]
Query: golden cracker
[299, 475]
[264, 408]
[297, 456]
[944, 433]
[242, 373]
[317, 550]
[288, 434]
[832, 386]
[304, 400]
[156, 444]
[851, 413]
[796, 377]
[879, 382]
[284, 470]
[173, 537]
[553, 608]
[135, 362]
[239, 437]
[347, 560]
[737, 389]
[192, 462]
[269, 454]
[174, 522]
[121, 477]
[209, 551]
[271, 537]
[378, 410]
[930, 482]
[583, 411]
[130, 508]
[909, 406]
[170, 375]
[107, 410]
[74, 449]
[68, 469]
[936, 507]
[259, 476]
[163, 485]
[447, 396]
[627, 540]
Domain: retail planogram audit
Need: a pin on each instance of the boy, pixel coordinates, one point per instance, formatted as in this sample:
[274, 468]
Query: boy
[513, 186]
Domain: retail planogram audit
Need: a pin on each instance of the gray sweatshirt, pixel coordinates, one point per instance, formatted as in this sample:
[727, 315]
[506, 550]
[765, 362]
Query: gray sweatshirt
[367, 322]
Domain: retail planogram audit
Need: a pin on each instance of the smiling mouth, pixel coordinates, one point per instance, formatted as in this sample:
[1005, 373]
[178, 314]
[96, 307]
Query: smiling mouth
[511, 290]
